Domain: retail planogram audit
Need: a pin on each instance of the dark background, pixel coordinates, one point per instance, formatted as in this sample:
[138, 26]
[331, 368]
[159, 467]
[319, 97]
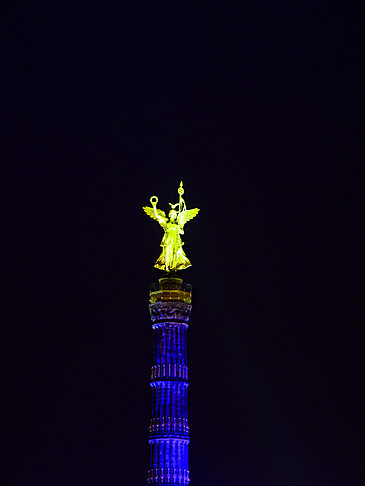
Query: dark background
[254, 107]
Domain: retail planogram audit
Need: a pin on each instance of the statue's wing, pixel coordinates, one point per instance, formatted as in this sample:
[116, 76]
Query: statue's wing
[151, 214]
[186, 216]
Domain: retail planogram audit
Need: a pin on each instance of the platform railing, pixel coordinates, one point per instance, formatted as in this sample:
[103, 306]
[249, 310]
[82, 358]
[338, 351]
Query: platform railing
[170, 295]
[176, 292]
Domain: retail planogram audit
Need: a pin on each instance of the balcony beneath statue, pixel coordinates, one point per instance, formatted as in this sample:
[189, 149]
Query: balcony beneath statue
[170, 289]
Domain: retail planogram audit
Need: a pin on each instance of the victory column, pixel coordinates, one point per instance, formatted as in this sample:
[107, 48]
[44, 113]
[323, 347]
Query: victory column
[170, 307]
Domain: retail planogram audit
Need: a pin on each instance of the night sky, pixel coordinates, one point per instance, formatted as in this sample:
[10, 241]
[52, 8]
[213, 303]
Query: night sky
[252, 107]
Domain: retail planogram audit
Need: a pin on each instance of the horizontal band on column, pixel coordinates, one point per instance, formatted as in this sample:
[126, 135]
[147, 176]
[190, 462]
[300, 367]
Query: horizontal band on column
[169, 384]
[173, 370]
[169, 425]
[164, 323]
[168, 476]
[171, 439]
[170, 311]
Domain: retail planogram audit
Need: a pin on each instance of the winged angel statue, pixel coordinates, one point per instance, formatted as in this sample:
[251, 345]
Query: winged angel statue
[172, 257]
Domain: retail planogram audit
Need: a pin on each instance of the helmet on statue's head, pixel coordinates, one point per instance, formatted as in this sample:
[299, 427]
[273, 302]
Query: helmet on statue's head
[172, 214]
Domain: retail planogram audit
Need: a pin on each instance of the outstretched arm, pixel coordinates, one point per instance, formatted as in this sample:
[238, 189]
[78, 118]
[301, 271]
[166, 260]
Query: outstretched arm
[160, 219]
[155, 213]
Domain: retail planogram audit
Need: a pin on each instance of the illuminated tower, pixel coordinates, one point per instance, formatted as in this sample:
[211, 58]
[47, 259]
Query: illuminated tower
[170, 307]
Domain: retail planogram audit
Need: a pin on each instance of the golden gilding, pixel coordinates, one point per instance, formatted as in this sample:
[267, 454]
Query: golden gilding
[172, 257]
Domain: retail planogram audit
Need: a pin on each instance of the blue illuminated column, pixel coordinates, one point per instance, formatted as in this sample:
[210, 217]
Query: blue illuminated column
[170, 307]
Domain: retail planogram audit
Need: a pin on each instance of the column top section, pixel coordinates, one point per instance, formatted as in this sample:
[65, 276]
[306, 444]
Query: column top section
[170, 289]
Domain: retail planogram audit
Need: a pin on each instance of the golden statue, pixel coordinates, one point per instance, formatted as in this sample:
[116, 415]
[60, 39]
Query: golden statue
[172, 257]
